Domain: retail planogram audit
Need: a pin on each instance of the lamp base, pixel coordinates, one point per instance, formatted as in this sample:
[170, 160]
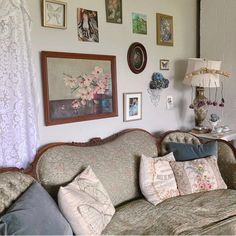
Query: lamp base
[200, 107]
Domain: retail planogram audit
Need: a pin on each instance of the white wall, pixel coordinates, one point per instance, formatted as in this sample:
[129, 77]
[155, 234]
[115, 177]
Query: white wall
[218, 42]
[115, 39]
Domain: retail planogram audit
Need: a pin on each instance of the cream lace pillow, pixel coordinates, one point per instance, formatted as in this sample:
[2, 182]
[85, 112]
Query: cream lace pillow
[86, 204]
[198, 175]
[156, 178]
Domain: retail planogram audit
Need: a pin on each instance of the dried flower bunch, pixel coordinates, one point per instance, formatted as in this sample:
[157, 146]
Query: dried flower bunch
[158, 81]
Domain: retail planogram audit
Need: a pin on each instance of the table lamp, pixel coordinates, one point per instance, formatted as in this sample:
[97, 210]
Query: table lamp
[202, 73]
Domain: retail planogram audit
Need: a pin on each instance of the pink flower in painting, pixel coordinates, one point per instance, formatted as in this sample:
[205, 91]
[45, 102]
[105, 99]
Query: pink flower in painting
[75, 104]
[87, 86]
[70, 82]
[97, 70]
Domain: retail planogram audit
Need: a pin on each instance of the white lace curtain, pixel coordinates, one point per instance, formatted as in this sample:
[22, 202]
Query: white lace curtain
[18, 123]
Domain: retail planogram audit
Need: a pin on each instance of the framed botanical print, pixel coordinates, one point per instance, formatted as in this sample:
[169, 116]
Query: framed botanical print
[139, 23]
[132, 106]
[54, 14]
[78, 87]
[165, 30]
[114, 11]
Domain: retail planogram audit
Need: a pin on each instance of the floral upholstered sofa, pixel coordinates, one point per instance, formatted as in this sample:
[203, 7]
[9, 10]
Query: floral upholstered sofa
[115, 161]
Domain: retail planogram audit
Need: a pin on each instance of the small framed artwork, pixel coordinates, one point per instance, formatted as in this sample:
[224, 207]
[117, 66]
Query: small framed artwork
[164, 64]
[78, 87]
[137, 57]
[54, 14]
[139, 22]
[132, 106]
[87, 22]
[114, 11]
[165, 30]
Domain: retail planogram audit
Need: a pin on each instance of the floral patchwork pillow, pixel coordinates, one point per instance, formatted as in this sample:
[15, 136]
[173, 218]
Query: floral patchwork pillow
[156, 178]
[198, 175]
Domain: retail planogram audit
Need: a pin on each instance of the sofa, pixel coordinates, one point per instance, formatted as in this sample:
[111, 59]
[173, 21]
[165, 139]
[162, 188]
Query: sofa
[115, 160]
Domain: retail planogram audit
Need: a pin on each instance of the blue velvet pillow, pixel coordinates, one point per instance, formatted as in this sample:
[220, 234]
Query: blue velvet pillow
[34, 213]
[187, 152]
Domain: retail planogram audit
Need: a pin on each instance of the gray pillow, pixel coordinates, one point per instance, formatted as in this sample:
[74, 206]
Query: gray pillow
[187, 152]
[34, 213]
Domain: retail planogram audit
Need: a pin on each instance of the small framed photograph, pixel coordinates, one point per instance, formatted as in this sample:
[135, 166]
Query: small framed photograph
[54, 14]
[137, 57]
[165, 30]
[132, 106]
[164, 64]
[114, 11]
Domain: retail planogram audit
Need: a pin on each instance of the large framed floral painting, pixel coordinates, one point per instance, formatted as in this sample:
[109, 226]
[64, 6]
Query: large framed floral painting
[78, 87]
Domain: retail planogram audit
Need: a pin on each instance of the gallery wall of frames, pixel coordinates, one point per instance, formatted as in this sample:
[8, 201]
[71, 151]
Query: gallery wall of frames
[99, 60]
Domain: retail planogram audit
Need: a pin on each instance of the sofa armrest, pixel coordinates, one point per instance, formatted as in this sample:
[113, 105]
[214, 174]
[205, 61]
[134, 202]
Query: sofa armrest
[12, 185]
[227, 163]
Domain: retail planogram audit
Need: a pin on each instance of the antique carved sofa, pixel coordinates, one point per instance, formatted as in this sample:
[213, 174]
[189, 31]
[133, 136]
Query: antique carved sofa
[115, 160]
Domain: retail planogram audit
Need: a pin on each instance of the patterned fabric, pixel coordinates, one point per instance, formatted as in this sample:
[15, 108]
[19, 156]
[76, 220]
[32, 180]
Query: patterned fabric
[212, 213]
[12, 185]
[18, 118]
[198, 175]
[156, 178]
[227, 163]
[116, 164]
[226, 157]
[86, 204]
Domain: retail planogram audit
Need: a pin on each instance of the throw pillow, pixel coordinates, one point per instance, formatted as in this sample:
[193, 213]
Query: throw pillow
[156, 178]
[187, 152]
[198, 175]
[86, 204]
[34, 213]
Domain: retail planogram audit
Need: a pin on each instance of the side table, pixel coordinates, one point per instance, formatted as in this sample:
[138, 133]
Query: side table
[229, 136]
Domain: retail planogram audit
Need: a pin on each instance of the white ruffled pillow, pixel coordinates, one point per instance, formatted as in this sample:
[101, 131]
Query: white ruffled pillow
[156, 178]
[86, 204]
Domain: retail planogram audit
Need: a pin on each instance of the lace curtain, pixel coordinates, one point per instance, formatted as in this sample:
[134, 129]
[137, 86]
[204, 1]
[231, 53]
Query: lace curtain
[18, 124]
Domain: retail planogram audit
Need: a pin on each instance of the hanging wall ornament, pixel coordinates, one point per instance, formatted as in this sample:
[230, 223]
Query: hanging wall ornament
[157, 83]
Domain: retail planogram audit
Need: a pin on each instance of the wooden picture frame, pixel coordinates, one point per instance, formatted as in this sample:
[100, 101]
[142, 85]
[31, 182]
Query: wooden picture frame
[114, 11]
[165, 30]
[164, 64]
[78, 87]
[137, 57]
[132, 106]
[54, 14]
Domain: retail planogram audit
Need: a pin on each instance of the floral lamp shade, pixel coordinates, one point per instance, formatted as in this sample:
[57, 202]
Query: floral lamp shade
[203, 73]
